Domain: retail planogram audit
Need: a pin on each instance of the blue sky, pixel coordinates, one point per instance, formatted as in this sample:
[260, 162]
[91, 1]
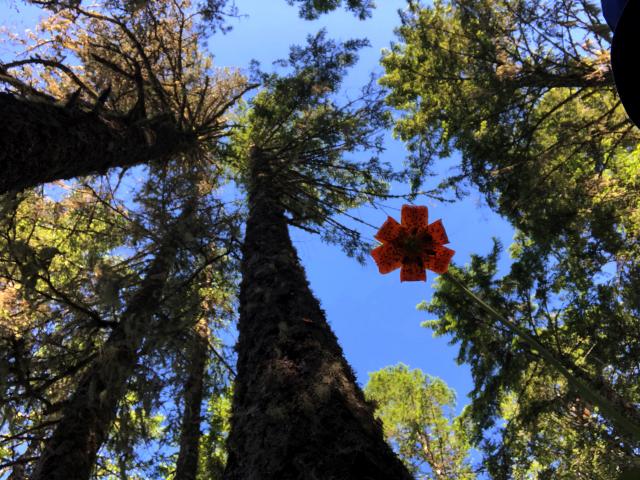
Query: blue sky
[373, 315]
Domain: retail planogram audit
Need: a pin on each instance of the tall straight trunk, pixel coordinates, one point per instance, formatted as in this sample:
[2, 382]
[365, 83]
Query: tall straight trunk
[41, 142]
[187, 465]
[297, 410]
[70, 453]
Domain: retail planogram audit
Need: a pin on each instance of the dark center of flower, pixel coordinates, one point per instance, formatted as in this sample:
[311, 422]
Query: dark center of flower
[415, 245]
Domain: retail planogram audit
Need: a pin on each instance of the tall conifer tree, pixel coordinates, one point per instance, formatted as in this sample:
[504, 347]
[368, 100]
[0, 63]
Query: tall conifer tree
[297, 409]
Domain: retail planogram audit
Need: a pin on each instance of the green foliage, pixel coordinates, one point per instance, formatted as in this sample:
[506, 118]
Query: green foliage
[68, 270]
[417, 412]
[524, 92]
[133, 425]
[298, 121]
[51, 256]
[577, 316]
[213, 455]
[217, 11]
[312, 9]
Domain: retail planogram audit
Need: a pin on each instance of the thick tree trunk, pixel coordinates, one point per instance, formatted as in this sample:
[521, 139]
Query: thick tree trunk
[187, 465]
[70, 453]
[297, 410]
[41, 142]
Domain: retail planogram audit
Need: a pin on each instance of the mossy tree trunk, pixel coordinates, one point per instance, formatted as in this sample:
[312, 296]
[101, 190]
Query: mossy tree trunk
[297, 412]
[187, 464]
[42, 142]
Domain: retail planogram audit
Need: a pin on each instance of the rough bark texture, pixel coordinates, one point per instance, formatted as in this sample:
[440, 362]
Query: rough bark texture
[41, 142]
[187, 465]
[297, 410]
[70, 453]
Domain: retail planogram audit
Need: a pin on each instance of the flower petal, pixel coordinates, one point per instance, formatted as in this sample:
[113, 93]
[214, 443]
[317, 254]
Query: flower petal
[438, 233]
[413, 272]
[387, 257]
[439, 262]
[389, 231]
[414, 218]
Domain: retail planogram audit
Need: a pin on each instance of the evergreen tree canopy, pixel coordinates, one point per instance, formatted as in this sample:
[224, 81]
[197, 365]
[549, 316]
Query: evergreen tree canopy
[417, 412]
[104, 87]
[522, 91]
[298, 121]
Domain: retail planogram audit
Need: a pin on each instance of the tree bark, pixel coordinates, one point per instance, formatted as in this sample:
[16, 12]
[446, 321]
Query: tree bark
[297, 410]
[42, 142]
[187, 464]
[70, 453]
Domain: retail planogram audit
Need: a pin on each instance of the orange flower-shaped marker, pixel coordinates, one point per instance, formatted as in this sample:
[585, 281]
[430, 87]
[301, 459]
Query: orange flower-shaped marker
[413, 245]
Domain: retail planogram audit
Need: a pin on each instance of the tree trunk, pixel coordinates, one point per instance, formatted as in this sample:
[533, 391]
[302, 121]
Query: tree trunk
[42, 142]
[297, 410]
[70, 453]
[187, 465]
